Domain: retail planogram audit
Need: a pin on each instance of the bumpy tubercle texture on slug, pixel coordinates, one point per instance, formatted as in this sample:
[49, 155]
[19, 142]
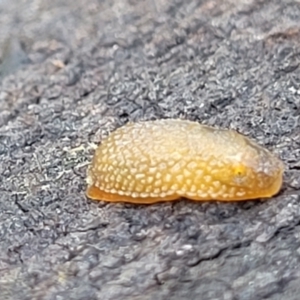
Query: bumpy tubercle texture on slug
[163, 160]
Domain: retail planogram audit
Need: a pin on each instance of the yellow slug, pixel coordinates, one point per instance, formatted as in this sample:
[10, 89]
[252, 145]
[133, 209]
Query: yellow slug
[162, 160]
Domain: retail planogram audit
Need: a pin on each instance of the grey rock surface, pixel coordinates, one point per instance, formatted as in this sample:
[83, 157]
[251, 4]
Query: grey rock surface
[76, 70]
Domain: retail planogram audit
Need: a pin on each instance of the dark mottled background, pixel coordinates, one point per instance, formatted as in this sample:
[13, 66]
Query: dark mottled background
[73, 70]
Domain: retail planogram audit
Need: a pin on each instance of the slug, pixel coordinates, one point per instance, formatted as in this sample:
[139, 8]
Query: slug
[162, 160]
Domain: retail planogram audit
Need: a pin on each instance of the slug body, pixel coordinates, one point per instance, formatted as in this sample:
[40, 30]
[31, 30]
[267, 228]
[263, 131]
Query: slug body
[163, 160]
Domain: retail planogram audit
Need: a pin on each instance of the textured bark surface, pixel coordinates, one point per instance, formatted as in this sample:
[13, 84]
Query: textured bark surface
[72, 71]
